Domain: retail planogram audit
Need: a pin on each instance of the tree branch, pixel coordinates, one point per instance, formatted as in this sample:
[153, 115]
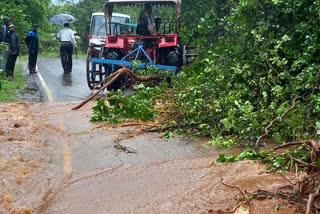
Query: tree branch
[117, 74]
[266, 130]
[312, 196]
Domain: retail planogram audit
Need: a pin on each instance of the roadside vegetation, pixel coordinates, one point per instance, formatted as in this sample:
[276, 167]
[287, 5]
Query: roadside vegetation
[9, 89]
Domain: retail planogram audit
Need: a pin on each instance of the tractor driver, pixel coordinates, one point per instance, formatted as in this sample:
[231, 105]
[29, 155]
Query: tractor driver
[145, 24]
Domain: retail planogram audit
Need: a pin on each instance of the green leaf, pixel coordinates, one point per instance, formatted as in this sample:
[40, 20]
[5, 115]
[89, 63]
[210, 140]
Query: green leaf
[222, 158]
[318, 163]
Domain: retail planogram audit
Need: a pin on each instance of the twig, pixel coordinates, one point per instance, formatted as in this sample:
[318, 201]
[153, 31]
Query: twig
[272, 68]
[279, 167]
[124, 148]
[236, 187]
[311, 199]
[247, 201]
[101, 89]
[288, 144]
[116, 76]
[285, 178]
[164, 121]
[301, 162]
[102, 81]
[211, 109]
[266, 130]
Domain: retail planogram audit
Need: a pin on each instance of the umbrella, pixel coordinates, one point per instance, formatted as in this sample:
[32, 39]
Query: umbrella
[62, 18]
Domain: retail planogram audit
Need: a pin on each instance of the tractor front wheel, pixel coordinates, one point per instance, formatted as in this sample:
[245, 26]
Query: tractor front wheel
[94, 76]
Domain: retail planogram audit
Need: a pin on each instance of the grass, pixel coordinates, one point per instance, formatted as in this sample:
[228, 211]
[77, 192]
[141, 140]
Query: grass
[9, 89]
[52, 55]
[49, 55]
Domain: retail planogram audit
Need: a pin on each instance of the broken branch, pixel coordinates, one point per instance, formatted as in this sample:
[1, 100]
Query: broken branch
[312, 196]
[236, 187]
[116, 76]
[266, 130]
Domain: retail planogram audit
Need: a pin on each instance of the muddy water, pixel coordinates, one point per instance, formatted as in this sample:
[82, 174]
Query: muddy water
[25, 170]
[86, 172]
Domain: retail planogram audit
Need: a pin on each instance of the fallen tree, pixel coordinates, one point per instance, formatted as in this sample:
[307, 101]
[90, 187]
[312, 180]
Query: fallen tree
[112, 78]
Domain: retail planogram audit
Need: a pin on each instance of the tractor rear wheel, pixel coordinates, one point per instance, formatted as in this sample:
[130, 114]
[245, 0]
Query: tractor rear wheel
[114, 55]
[174, 56]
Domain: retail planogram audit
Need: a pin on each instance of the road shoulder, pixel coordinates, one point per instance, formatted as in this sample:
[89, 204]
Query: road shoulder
[33, 90]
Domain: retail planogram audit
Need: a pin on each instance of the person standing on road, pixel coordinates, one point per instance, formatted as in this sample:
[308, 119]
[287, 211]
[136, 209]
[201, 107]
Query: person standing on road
[32, 42]
[66, 36]
[13, 52]
[4, 39]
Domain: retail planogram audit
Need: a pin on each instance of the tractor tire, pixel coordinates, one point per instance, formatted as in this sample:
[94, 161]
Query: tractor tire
[174, 56]
[97, 75]
[115, 55]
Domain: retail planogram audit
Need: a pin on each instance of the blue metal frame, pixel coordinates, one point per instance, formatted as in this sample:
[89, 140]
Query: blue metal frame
[123, 61]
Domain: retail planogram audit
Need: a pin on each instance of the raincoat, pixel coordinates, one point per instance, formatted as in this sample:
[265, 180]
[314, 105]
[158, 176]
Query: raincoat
[32, 41]
[5, 30]
[14, 44]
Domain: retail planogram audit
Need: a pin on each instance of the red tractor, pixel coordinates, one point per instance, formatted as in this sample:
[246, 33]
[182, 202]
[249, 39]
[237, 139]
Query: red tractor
[123, 43]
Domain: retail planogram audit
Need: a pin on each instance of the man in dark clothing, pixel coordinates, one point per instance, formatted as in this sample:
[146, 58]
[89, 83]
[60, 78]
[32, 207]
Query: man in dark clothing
[14, 51]
[145, 21]
[4, 39]
[32, 42]
[5, 29]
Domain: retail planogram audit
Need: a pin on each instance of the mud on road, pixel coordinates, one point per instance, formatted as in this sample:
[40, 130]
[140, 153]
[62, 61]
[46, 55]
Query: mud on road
[51, 163]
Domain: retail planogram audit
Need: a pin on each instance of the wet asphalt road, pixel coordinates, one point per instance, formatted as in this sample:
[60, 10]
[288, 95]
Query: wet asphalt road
[64, 87]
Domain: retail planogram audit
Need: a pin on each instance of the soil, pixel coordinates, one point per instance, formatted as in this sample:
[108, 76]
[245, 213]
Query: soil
[53, 160]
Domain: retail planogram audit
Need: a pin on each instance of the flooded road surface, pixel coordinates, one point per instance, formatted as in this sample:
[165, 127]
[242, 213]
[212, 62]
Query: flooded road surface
[65, 87]
[68, 166]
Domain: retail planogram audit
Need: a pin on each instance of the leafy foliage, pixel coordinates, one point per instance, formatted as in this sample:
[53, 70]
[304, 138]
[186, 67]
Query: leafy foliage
[16, 11]
[26, 12]
[117, 107]
[257, 57]
[226, 142]
[264, 55]
[3, 48]
[275, 161]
